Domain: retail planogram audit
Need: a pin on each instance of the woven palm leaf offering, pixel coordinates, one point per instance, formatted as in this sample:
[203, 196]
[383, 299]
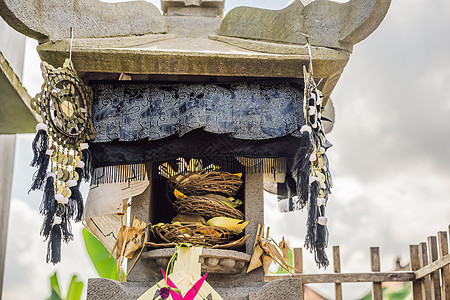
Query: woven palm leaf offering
[208, 206]
[206, 182]
[195, 234]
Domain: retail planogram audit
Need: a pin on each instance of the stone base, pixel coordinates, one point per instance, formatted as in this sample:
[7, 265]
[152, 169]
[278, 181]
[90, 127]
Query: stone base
[286, 289]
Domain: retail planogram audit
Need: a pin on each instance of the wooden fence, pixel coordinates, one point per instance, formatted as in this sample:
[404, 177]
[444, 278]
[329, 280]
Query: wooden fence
[429, 271]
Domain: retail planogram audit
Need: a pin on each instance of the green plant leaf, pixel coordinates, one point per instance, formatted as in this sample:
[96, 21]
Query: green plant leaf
[54, 287]
[75, 289]
[401, 294]
[106, 266]
[54, 296]
[289, 262]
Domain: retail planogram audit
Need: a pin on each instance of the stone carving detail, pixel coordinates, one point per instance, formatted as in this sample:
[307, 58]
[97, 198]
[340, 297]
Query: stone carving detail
[51, 19]
[215, 261]
[326, 23]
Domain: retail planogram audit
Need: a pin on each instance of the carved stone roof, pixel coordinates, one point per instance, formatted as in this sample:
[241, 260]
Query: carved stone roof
[111, 39]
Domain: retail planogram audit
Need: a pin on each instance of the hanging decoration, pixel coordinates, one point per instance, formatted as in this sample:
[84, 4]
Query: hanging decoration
[60, 151]
[310, 169]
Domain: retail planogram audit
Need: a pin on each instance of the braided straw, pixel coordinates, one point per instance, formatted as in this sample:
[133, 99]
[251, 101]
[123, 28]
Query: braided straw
[195, 234]
[208, 206]
[205, 182]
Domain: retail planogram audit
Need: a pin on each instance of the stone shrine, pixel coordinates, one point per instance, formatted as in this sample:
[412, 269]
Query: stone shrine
[129, 52]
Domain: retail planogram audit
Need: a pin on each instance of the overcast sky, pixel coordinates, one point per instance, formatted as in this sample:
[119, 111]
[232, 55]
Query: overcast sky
[390, 159]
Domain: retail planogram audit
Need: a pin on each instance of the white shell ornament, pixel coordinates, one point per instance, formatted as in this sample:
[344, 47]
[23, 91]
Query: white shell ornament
[59, 198]
[57, 220]
[322, 221]
[305, 128]
[321, 202]
[71, 183]
[312, 179]
[41, 126]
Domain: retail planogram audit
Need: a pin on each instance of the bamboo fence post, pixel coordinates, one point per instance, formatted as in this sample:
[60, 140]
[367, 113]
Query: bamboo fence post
[415, 265]
[377, 292]
[445, 271]
[298, 259]
[297, 255]
[337, 269]
[435, 277]
[426, 284]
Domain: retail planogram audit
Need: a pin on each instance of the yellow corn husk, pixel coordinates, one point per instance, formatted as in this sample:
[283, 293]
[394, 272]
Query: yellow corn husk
[234, 225]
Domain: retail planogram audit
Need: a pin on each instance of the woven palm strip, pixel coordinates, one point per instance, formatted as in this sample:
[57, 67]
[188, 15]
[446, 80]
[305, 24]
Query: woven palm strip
[197, 235]
[237, 244]
[205, 182]
[207, 206]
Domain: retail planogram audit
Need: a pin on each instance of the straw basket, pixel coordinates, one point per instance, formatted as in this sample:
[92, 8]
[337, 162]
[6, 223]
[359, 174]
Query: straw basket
[197, 235]
[205, 182]
[208, 206]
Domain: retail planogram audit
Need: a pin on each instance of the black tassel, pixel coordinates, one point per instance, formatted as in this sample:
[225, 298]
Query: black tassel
[321, 243]
[66, 229]
[87, 159]
[316, 239]
[48, 204]
[39, 175]
[46, 227]
[54, 245]
[313, 215]
[301, 168]
[39, 147]
[75, 209]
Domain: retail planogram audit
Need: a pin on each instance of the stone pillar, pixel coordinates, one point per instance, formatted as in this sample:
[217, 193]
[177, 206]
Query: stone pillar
[7, 147]
[254, 212]
[141, 209]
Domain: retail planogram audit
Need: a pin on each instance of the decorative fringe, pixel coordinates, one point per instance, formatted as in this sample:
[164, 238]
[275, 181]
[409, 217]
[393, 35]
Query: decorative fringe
[54, 245]
[39, 175]
[135, 172]
[316, 239]
[301, 168]
[87, 159]
[39, 146]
